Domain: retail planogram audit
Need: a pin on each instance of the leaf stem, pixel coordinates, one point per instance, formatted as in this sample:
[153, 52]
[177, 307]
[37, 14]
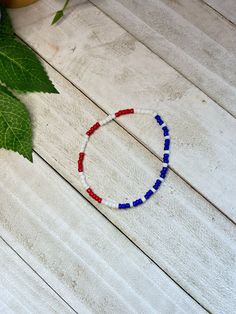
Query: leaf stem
[65, 5]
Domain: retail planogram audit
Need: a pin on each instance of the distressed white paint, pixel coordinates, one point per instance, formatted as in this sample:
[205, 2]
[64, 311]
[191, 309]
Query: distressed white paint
[21, 290]
[117, 71]
[80, 254]
[182, 232]
[179, 32]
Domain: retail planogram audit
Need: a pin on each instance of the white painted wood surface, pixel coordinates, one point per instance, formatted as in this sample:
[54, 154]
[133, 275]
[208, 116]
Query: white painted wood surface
[21, 290]
[76, 250]
[188, 35]
[101, 59]
[79, 252]
[227, 8]
[173, 227]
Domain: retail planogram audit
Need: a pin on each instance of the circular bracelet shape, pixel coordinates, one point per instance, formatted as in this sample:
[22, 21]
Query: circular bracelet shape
[163, 171]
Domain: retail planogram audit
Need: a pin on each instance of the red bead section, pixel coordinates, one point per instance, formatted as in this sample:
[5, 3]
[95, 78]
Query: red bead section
[93, 195]
[80, 162]
[93, 128]
[124, 111]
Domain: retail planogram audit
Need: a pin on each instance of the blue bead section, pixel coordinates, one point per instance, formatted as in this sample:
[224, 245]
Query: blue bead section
[148, 194]
[137, 202]
[165, 130]
[157, 184]
[159, 120]
[167, 144]
[166, 158]
[125, 205]
[163, 172]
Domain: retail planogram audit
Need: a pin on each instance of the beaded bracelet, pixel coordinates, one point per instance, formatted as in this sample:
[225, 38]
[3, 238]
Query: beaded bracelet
[163, 171]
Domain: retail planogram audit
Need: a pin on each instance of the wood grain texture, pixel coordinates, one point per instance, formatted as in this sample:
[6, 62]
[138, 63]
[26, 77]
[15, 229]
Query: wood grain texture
[227, 8]
[101, 59]
[187, 237]
[179, 32]
[79, 253]
[21, 290]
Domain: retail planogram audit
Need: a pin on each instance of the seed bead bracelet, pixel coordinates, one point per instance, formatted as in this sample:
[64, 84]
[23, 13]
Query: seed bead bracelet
[163, 171]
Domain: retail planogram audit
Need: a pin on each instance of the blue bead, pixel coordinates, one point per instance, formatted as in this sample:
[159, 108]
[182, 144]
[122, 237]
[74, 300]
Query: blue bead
[165, 131]
[167, 144]
[159, 119]
[166, 158]
[148, 194]
[125, 205]
[157, 184]
[137, 202]
[163, 172]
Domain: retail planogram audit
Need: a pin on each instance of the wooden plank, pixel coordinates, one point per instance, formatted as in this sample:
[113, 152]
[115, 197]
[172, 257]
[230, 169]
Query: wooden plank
[186, 236]
[179, 32]
[102, 60]
[21, 290]
[227, 8]
[78, 252]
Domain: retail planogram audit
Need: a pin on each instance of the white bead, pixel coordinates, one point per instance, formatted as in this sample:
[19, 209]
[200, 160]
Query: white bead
[114, 205]
[153, 190]
[165, 164]
[166, 151]
[137, 111]
[84, 143]
[163, 125]
[143, 199]
[106, 120]
[83, 180]
[113, 116]
[102, 122]
[167, 137]
[155, 114]
[161, 179]
[105, 202]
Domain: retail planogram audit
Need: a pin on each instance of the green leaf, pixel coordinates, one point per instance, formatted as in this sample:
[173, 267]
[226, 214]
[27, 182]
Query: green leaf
[15, 125]
[4, 90]
[59, 14]
[5, 23]
[20, 69]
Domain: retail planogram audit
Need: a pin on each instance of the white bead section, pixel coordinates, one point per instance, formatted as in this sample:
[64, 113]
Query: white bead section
[83, 180]
[109, 204]
[84, 143]
[144, 111]
[106, 120]
[143, 199]
[165, 164]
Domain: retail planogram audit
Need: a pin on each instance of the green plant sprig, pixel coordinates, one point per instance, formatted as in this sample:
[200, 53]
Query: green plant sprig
[60, 13]
[20, 71]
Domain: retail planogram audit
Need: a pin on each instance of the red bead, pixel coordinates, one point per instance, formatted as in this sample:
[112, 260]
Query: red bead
[93, 128]
[80, 162]
[93, 195]
[124, 111]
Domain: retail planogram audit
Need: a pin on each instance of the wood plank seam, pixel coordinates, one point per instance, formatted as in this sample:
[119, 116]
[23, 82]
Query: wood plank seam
[120, 230]
[138, 140]
[215, 10]
[37, 274]
[171, 65]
